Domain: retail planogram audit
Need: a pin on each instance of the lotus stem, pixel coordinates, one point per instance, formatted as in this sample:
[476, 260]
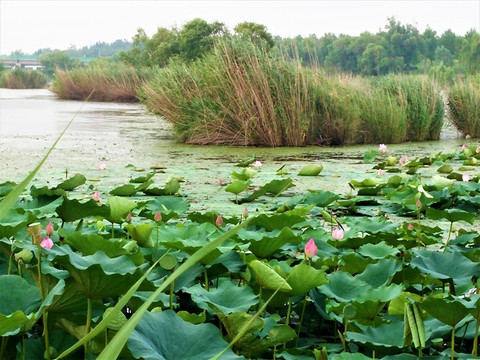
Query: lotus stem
[207, 287]
[475, 340]
[9, 266]
[87, 324]
[3, 346]
[172, 288]
[301, 317]
[155, 257]
[39, 270]
[452, 356]
[449, 235]
[259, 299]
[45, 334]
[287, 320]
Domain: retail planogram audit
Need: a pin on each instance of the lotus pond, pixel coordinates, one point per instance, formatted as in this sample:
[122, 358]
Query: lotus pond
[142, 262]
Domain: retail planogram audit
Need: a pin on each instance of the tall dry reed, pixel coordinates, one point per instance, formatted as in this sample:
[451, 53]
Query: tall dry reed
[464, 104]
[23, 79]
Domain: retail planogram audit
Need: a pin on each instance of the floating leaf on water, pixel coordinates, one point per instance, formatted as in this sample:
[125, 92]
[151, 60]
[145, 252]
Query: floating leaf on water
[370, 156]
[311, 170]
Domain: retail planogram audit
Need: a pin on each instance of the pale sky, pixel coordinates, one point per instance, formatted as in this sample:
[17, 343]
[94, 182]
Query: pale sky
[30, 25]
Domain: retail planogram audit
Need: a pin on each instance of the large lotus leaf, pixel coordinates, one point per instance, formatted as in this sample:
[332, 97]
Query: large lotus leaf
[17, 294]
[71, 210]
[190, 238]
[385, 335]
[169, 206]
[276, 221]
[119, 208]
[72, 183]
[451, 215]
[227, 297]
[372, 226]
[45, 191]
[303, 278]
[364, 183]
[171, 187]
[237, 186]
[165, 336]
[448, 310]
[6, 187]
[380, 273]
[377, 251]
[264, 244]
[42, 205]
[320, 198]
[66, 296]
[13, 222]
[397, 306]
[310, 170]
[261, 334]
[124, 190]
[141, 234]
[246, 174]
[274, 187]
[350, 356]
[142, 179]
[345, 288]
[89, 244]
[18, 301]
[247, 162]
[444, 266]
[267, 277]
[98, 275]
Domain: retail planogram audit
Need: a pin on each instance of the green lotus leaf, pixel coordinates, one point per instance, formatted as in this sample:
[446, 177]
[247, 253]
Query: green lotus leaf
[227, 297]
[142, 179]
[377, 251]
[311, 170]
[42, 205]
[321, 198]
[445, 169]
[179, 339]
[14, 221]
[72, 183]
[124, 190]
[344, 287]
[267, 277]
[6, 187]
[447, 310]
[370, 156]
[192, 318]
[350, 356]
[141, 234]
[119, 208]
[71, 210]
[372, 226]
[444, 266]
[385, 335]
[451, 215]
[45, 191]
[237, 186]
[246, 162]
[303, 278]
[397, 306]
[274, 187]
[364, 183]
[380, 273]
[276, 221]
[264, 244]
[12, 324]
[66, 297]
[171, 187]
[246, 174]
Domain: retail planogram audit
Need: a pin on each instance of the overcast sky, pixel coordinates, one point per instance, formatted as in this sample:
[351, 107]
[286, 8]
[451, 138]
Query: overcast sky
[30, 25]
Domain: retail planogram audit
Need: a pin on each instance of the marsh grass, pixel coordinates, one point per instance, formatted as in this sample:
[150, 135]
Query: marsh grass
[23, 79]
[112, 82]
[464, 105]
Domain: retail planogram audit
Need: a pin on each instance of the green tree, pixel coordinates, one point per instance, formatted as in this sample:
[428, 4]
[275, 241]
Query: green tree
[443, 55]
[196, 38]
[372, 59]
[56, 59]
[470, 52]
[256, 32]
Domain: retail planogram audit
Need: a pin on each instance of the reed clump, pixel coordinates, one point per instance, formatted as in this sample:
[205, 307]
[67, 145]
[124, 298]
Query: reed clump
[464, 105]
[113, 82]
[23, 79]
[242, 94]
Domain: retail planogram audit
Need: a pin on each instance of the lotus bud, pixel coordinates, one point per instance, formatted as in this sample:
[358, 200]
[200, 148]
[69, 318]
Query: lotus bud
[465, 178]
[464, 147]
[410, 227]
[382, 148]
[46, 243]
[337, 234]
[477, 150]
[380, 172]
[96, 196]
[102, 166]
[257, 164]
[245, 213]
[158, 216]
[310, 249]
[129, 217]
[220, 182]
[419, 203]
[49, 229]
[219, 221]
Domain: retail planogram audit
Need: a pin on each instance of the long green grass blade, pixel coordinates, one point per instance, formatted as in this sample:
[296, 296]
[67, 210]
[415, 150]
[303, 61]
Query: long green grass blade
[115, 346]
[103, 324]
[9, 200]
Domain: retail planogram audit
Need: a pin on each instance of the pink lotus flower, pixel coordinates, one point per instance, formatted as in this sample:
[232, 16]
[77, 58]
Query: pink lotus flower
[219, 221]
[102, 166]
[477, 150]
[46, 243]
[410, 227]
[407, 159]
[382, 147]
[257, 164]
[465, 178]
[129, 217]
[401, 161]
[158, 216]
[220, 182]
[337, 234]
[464, 147]
[49, 229]
[310, 249]
[419, 203]
[380, 172]
[96, 196]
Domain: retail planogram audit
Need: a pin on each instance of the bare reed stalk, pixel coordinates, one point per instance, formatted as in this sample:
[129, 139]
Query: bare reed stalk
[464, 105]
